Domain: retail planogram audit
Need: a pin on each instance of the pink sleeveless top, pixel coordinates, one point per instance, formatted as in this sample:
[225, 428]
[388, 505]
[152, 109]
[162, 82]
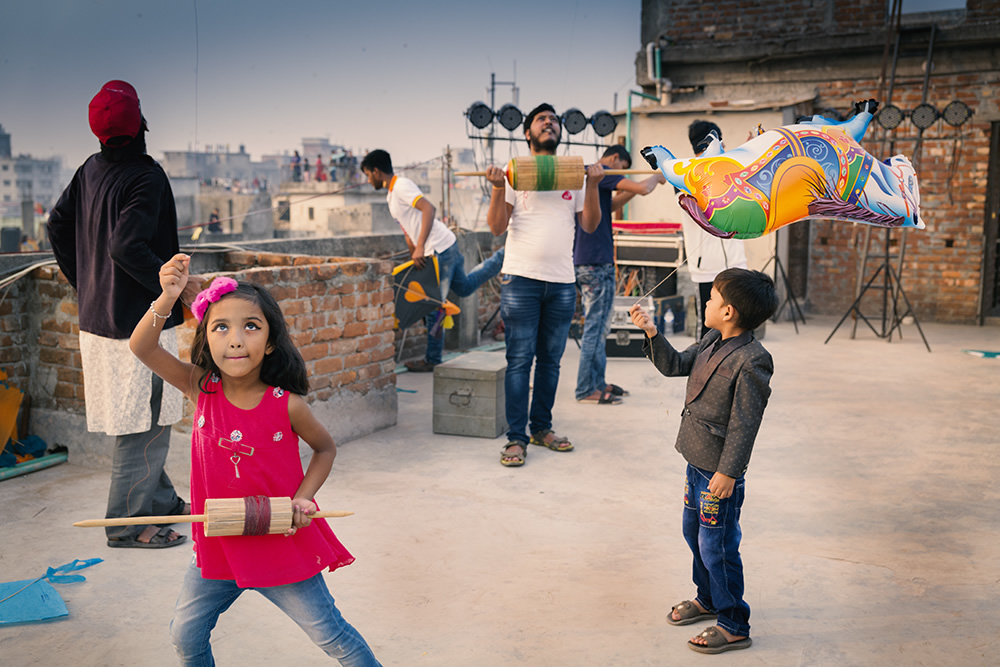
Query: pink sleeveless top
[237, 453]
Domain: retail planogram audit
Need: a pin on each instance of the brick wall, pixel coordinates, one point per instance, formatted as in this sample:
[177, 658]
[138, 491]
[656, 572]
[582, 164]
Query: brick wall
[340, 316]
[941, 272]
[767, 51]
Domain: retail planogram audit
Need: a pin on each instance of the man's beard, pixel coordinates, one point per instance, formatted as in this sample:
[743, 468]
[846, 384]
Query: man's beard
[547, 146]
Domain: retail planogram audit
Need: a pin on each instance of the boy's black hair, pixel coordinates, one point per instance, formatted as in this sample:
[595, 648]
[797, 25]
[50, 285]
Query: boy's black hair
[377, 159]
[751, 293]
[619, 150]
[283, 367]
[698, 134]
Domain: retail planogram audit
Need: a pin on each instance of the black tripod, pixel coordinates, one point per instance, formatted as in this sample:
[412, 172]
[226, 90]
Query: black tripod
[779, 269]
[891, 286]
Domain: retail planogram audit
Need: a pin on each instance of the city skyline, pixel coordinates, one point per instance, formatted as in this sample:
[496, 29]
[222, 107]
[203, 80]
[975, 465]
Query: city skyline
[391, 75]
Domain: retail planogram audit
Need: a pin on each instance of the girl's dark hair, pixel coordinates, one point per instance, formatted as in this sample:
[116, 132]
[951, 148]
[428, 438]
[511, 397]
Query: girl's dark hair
[751, 293]
[283, 367]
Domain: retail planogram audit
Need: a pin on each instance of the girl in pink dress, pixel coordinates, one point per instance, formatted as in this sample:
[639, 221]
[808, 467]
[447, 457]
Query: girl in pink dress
[247, 381]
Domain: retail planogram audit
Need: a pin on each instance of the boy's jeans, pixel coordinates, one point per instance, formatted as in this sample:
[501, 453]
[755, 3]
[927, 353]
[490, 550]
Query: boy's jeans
[712, 530]
[597, 293]
[536, 317]
[451, 266]
[308, 603]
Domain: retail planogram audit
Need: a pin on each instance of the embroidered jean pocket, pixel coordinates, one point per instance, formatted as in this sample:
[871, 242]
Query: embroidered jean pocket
[714, 428]
[708, 509]
[505, 278]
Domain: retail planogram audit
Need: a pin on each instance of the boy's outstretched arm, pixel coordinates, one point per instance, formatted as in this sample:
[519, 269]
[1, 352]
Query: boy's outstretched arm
[145, 339]
[667, 360]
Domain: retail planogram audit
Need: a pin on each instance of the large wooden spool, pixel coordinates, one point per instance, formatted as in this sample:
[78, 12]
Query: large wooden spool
[257, 515]
[542, 173]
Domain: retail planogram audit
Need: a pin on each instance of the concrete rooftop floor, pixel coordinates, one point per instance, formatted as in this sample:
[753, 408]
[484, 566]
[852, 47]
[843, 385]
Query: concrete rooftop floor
[871, 529]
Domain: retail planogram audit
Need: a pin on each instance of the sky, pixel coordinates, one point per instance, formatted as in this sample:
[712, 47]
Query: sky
[393, 75]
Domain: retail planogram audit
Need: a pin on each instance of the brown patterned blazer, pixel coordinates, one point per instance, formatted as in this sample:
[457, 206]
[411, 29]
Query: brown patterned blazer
[726, 395]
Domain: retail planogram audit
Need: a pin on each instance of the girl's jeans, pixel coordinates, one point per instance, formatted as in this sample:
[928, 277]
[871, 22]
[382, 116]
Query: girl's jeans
[308, 603]
[712, 530]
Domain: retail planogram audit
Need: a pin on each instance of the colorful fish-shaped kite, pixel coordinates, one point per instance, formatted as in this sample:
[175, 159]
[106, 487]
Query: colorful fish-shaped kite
[814, 169]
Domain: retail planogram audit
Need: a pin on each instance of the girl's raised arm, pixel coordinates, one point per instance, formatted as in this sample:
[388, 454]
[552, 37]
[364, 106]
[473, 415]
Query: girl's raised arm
[145, 339]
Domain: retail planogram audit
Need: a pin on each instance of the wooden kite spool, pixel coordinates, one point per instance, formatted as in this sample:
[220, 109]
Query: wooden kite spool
[255, 515]
[541, 173]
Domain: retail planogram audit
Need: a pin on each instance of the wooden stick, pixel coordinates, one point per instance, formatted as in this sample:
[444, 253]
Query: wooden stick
[178, 518]
[607, 172]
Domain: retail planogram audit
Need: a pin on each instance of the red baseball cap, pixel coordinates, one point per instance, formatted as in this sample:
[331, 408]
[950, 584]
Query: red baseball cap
[115, 112]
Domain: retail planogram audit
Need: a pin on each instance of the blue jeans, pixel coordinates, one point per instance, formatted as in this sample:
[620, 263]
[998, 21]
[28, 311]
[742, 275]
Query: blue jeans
[712, 530]
[597, 293]
[139, 485]
[308, 603]
[536, 317]
[451, 266]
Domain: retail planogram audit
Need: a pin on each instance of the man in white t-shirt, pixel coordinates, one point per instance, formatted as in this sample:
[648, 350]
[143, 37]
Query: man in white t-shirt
[427, 236]
[539, 291]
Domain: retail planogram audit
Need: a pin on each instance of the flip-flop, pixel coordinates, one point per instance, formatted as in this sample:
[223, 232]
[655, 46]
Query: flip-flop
[158, 541]
[607, 398]
[689, 613]
[716, 642]
[616, 390]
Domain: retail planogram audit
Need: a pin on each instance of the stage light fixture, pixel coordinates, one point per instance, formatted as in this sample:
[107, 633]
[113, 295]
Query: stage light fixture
[889, 117]
[510, 117]
[924, 116]
[574, 121]
[957, 113]
[479, 115]
[604, 123]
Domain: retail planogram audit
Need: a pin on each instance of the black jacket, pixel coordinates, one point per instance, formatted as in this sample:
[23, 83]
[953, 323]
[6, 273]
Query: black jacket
[111, 231]
[726, 395]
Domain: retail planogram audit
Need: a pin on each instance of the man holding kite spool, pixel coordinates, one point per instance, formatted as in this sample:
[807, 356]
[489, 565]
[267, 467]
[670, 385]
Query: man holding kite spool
[539, 284]
[427, 236]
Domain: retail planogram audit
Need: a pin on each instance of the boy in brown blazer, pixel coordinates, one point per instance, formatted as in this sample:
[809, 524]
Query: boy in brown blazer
[729, 372]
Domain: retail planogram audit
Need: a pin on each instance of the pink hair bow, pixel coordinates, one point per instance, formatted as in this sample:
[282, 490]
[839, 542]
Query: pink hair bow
[219, 288]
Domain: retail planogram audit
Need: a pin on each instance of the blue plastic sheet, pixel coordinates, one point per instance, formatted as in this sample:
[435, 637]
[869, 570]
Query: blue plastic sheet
[35, 599]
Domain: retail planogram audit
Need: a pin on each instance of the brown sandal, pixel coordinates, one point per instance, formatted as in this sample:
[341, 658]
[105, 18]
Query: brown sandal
[716, 642]
[515, 459]
[557, 444]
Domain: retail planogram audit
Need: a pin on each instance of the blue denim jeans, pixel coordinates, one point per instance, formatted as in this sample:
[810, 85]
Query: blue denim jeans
[308, 603]
[712, 530]
[451, 265]
[536, 317]
[139, 485]
[597, 293]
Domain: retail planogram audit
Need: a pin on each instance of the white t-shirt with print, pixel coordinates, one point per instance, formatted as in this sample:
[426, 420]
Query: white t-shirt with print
[402, 199]
[540, 234]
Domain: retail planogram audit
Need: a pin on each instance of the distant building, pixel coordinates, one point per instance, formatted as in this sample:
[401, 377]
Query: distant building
[26, 181]
[220, 167]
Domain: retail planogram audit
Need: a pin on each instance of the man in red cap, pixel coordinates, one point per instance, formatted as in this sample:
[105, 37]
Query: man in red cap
[111, 231]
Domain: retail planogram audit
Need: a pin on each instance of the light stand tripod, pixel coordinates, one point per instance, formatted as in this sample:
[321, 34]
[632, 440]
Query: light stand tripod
[892, 287]
[779, 269]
